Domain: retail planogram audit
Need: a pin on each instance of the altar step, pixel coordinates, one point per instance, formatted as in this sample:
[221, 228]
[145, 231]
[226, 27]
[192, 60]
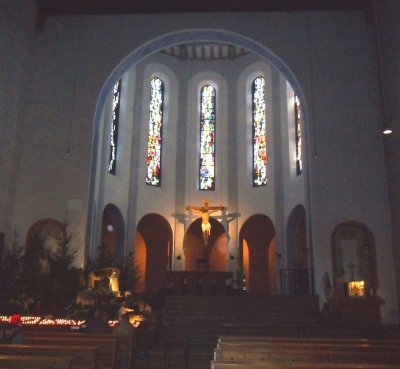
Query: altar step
[201, 319]
[192, 324]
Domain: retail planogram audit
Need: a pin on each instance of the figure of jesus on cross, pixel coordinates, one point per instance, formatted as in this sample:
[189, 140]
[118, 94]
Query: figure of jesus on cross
[205, 212]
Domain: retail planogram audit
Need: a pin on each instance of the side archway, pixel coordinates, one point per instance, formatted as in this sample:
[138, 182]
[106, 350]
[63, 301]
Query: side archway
[297, 250]
[153, 251]
[112, 234]
[257, 251]
[353, 258]
[295, 280]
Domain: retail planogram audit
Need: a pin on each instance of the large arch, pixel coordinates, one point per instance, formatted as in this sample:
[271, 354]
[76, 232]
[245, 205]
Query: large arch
[155, 45]
[214, 253]
[112, 233]
[257, 253]
[154, 251]
[353, 257]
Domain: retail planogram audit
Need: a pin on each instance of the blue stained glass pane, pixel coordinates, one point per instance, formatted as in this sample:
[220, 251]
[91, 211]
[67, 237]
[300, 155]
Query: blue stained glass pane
[112, 164]
[259, 133]
[154, 143]
[207, 138]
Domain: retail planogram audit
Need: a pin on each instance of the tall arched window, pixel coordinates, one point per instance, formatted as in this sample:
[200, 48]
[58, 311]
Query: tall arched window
[207, 138]
[259, 132]
[153, 176]
[114, 128]
[297, 124]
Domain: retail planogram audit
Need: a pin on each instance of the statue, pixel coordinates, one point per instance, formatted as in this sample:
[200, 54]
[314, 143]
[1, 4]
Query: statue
[205, 212]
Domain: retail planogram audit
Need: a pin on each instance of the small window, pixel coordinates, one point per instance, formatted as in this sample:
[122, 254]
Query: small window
[297, 124]
[207, 138]
[154, 143]
[114, 128]
[259, 132]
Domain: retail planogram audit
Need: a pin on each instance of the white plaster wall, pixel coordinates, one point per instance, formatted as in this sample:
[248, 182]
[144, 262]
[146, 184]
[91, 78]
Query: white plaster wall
[115, 189]
[332, 56]
[153, 199]
[294, 186]
[348, 178]
[17, 21]
[261, 199]
[388, 19]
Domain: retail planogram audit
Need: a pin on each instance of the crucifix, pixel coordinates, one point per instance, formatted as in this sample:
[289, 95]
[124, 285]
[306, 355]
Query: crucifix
[205, 212]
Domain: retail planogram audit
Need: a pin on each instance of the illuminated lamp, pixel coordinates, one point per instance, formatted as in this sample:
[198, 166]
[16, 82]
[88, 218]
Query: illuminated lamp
[136, 319]
[387, 131]
[356, 289]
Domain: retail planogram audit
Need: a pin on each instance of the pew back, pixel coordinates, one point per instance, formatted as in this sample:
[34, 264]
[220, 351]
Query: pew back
[115, 349]
[36, 362]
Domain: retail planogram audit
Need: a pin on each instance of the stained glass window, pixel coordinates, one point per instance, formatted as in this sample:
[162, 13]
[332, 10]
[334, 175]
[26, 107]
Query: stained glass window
[259, 132]
[114, 128]
[207, 138]
[297, 123]
[154, 143]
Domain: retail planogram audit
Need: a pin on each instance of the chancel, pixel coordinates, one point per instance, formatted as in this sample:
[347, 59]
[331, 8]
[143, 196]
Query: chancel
[226, 157]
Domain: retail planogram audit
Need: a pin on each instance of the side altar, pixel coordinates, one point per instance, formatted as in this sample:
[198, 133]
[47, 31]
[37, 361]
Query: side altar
[199, 282]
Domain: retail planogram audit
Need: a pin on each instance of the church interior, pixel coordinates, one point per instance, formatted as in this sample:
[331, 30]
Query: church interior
[229, 160]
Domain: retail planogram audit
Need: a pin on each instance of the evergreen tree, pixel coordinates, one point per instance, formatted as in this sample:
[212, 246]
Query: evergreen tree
[129, 274]
[64, 277]
[35, 271]
[10, 277]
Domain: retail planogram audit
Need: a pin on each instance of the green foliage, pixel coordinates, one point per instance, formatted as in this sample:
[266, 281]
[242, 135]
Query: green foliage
[34, 270]
[64, 276]
[129, 275]
[10, 277]
[49, 278]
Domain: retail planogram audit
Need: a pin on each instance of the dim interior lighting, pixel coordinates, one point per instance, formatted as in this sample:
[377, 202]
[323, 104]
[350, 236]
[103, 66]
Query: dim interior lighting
[110, 228]
[135, 320]
[387, 131]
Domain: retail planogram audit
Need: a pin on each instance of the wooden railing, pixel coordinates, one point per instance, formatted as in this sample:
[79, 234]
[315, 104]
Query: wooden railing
[295, 281]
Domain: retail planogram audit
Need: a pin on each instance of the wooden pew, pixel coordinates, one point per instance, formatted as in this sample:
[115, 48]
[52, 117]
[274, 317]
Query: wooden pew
[85, 355]
[113, 347]
[251, 352]
[300, 365]
[379, 342]
[295, 355]
[312, 346]
[36, 362]
[107, 353]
